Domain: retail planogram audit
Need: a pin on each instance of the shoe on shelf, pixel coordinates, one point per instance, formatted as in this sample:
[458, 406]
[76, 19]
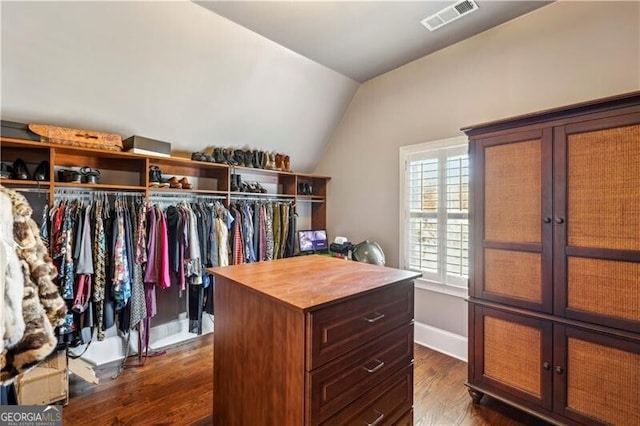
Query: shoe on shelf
[5, 170]
[154, 176]
[279, 162]
[42, 171]
[20, 171]
[90, 175]
[164, 182]
[175, 183]
[270, 163]
[68, 175]
[261, 188]
[238, 156]
[184, 182]
[198, 156]
[218, 155]
[236, 182]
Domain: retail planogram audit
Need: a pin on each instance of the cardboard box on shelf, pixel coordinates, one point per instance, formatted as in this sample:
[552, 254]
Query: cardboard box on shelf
[47, 383]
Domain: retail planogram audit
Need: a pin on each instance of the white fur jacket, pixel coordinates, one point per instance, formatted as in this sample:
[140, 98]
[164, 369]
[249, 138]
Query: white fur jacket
[27, 327]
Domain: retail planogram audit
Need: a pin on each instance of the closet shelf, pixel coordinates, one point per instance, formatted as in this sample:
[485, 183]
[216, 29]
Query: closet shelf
[311, 198]
[132, 171]
[99, 186]
[42, 183]
[22, 143]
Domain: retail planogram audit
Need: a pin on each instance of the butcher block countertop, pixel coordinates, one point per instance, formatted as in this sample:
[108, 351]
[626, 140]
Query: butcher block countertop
[306, 282]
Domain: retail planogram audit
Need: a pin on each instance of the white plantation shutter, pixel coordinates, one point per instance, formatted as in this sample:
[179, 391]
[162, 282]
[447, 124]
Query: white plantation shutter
[437, 214]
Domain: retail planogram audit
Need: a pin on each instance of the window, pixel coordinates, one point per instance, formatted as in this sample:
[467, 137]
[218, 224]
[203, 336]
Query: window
[435, 206]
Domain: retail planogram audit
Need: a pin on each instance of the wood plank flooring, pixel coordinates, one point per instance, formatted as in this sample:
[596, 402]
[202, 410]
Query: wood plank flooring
[176, 389]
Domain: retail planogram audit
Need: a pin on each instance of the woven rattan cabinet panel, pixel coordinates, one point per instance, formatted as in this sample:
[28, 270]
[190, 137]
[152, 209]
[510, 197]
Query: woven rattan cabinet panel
[513, 273]
[512, 192]
[603, 188]
[604, 287]
[511, 355]
[554, 312]
[597, 361]
[508, 354]
[589, 362]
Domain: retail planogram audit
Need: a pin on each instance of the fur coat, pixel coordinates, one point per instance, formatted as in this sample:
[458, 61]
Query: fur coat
[42, 307]
[11, 321]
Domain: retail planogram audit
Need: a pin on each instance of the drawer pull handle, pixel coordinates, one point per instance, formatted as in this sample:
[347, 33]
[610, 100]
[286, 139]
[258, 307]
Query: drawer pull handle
[376, 368]
[377, 420]
[378, 316]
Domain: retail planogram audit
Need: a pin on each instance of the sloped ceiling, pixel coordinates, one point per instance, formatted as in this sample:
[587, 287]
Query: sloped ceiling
[173, 71]
[363, 39]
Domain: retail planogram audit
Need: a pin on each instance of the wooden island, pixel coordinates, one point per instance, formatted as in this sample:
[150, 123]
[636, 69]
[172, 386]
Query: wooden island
[313, 340]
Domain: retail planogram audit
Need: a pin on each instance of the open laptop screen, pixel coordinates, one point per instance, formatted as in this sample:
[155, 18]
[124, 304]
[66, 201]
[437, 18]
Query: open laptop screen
[313, 241]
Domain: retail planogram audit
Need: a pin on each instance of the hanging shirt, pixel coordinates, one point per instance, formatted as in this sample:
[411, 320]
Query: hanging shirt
[151, 272]
[164, 281]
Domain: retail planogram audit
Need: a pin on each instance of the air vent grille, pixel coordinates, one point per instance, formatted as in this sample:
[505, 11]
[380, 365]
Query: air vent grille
[464, 6]
[449, 14]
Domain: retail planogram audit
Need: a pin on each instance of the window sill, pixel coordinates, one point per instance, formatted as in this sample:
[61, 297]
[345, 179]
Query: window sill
[436, 287]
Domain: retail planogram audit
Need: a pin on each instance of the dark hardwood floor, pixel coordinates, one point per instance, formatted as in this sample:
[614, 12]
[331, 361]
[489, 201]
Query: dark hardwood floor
[176, 389]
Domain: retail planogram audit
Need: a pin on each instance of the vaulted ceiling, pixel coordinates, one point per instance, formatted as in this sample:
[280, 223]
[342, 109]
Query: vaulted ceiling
[178, 72]
[363, 39]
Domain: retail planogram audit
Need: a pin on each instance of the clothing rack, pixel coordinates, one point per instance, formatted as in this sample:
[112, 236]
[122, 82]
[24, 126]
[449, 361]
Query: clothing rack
[183, 196]
[29, 189]
[64, 192]
[263, 198]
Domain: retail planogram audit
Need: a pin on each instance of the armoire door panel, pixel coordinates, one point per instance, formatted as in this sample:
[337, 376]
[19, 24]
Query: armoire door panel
[513, 192]
[513, 274]
[604, 287]
[601, 374]
[515, 351]
[603, 188]
[597, 247]
[513, 253]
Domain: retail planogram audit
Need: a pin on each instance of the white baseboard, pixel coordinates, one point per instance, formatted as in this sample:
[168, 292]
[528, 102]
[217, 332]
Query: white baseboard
[112, 348]
[440, 340]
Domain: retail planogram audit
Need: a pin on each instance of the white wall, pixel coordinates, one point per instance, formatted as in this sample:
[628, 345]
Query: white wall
[561, 54]
[172, 71]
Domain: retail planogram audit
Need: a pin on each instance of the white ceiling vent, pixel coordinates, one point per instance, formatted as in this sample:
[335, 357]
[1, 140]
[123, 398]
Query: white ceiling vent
[449, 14]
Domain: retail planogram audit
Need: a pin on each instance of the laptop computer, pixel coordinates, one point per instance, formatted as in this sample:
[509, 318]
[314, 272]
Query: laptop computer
[313, 241]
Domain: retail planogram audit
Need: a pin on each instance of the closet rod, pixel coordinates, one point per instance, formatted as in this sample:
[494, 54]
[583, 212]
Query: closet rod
[40, 190]
[267, 199]
[182, 194]
[85, 192]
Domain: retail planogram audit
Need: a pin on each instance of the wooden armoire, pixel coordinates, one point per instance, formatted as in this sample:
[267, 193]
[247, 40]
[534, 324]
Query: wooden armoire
[554, 298]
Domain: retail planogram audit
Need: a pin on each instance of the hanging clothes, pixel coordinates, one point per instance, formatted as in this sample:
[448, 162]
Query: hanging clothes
[138, 303]
[42, 308]
[277, 232]
[269, 232]
[100, 275]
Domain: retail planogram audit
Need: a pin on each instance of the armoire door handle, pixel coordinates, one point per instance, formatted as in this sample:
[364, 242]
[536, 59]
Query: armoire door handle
[559, 370]
[547, 220]
[546, 366]
[559, 220]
